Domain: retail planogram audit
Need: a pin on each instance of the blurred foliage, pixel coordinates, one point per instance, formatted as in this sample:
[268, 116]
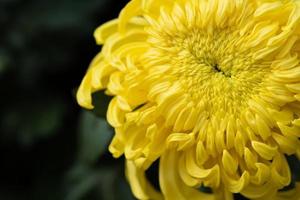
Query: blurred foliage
[92, 143]
[50, 148]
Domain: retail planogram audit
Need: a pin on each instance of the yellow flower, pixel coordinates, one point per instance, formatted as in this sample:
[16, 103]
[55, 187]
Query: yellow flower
[211, 88]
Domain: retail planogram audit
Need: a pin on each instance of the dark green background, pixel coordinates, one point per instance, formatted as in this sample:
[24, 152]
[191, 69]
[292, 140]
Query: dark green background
[50, 148]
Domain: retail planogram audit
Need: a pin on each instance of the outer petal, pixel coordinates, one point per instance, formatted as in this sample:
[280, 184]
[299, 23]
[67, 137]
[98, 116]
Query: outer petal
[140, 186]
[171, 184]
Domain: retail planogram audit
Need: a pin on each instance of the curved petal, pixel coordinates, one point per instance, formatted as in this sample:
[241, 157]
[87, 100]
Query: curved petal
[171, 184]
[139, 184]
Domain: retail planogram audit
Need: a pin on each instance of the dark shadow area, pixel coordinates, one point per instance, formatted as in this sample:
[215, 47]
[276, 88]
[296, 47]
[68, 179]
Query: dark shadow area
[45, 49]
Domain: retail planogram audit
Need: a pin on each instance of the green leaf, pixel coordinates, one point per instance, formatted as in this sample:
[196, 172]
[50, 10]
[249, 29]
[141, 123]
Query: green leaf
[123, 190]
[105, 182]
[94, 137]
[100, 102]
[81, 180]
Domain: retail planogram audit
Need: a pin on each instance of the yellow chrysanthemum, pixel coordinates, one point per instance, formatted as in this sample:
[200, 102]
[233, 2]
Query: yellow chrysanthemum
[211, 88]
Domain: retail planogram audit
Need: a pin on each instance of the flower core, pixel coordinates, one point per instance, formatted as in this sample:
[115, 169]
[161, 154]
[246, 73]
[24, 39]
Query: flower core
[212, 67]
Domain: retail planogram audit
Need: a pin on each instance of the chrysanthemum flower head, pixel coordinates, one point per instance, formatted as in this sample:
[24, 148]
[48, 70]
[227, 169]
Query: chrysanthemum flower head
[210, 88]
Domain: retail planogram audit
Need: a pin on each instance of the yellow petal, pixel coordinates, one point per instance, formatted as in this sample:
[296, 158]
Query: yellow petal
[115, 116]
[230, 164]
[133, 8]
[140, 186]
[172, 186]
[103, 32]
[288, 145]
[264, 150]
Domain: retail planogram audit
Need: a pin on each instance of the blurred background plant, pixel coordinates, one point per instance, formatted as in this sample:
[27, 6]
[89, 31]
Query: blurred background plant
[50, 148]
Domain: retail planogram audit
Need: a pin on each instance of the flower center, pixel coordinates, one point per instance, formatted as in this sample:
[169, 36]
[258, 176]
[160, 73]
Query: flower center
[212, 67]
[218, 69]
